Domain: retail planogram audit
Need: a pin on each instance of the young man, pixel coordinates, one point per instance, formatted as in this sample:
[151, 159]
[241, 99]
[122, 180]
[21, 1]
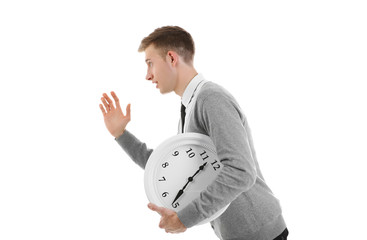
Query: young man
[254, 212]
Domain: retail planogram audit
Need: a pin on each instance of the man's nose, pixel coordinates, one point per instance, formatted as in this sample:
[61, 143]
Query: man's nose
[149, 76]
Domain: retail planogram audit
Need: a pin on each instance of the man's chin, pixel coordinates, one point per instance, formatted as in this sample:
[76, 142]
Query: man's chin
[163, 91]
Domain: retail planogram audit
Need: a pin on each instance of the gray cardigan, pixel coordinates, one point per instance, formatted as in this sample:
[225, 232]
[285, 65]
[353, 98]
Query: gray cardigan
[254, 212]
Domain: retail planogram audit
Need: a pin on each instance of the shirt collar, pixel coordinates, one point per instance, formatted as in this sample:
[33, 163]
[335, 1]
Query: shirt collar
[190, 89]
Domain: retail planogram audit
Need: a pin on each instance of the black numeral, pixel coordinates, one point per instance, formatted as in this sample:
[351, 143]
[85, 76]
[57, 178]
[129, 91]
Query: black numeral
[175, 205]
[164, 165]
[215, 165]
[204, 155]
[190, 153]
[165, 194]
[175, 153]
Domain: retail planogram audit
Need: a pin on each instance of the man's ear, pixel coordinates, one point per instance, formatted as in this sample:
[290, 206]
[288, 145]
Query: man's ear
[172, 57]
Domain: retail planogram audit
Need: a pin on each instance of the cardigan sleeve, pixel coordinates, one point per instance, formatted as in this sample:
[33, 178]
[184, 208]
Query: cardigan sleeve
[221, 118]
[137, 150]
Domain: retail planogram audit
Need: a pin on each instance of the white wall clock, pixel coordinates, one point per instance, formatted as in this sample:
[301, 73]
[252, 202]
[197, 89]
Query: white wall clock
[179, 169]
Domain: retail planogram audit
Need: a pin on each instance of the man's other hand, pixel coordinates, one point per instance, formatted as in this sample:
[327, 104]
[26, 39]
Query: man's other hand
[169, 219]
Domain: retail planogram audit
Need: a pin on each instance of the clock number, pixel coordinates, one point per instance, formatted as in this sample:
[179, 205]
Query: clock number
[163, 179]
[204, 155]
[190, 153]
[164, 165]
[175, 154]
[175, 205]
[165, 194]
[215, 165]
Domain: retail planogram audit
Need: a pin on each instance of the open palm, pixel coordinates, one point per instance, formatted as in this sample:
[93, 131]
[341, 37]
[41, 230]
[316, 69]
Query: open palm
[114, 118]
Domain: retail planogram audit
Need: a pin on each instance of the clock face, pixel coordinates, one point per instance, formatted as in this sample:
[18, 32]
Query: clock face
[179, 169]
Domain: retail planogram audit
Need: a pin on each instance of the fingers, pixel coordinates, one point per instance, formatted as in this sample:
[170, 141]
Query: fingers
[109, 105]
[117, 101]
[161, 210]
[102, 109]
[106, 105]
[162, 224]
[108, 99]
[169, 219]
[128, 110]
[155, 208]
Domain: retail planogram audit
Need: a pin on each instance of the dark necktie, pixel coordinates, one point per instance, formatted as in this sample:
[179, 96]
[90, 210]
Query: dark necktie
[183, 114]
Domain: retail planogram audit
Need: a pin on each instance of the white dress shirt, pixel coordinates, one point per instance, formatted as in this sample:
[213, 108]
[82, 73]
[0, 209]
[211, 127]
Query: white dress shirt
[189, 98]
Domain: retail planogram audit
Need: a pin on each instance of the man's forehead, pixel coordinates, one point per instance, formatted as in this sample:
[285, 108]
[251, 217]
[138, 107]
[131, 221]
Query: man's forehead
[150, 53]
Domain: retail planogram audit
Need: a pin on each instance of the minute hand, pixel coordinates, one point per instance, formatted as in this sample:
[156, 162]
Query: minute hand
[190, 179]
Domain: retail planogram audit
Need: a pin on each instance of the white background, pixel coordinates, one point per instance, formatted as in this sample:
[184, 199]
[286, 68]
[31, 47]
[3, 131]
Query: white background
[297, 68]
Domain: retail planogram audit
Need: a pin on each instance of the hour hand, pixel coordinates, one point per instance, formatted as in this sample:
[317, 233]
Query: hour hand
[178, 195]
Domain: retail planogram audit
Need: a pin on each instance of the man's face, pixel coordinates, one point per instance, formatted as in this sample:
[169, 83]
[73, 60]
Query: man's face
[160, 71]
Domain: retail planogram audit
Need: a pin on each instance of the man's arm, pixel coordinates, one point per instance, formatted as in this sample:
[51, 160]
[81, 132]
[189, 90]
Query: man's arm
[221, 118]
[136, 149]
[116, 123]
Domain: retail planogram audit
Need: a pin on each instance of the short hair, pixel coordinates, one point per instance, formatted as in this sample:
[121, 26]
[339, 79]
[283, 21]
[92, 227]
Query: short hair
[170, 38]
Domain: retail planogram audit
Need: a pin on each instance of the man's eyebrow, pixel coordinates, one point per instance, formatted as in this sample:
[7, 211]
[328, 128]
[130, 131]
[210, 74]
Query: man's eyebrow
[147, 60]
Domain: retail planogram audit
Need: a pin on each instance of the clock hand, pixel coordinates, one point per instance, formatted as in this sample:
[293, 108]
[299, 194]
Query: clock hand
[178, 196]
[200, 168]
[190, 179]
[182, 190]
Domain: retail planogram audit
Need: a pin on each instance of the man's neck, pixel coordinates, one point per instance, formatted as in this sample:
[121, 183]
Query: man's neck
[185, 77]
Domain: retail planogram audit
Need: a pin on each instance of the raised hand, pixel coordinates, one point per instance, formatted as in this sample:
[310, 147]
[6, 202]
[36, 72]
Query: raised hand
[114, 118]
